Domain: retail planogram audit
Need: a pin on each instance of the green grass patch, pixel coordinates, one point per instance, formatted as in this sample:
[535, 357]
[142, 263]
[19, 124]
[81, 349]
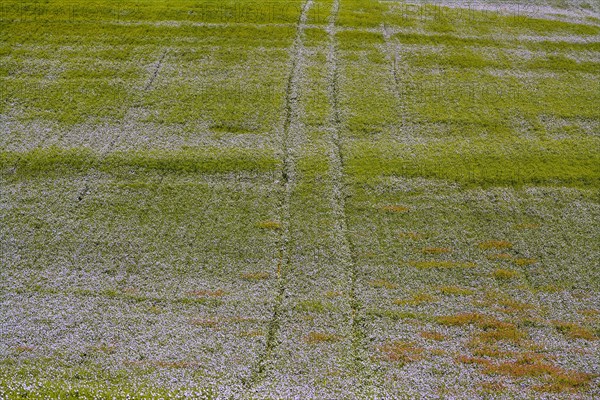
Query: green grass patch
[315, 37]
[200, 160]
[568, 162]
[359, 40]
[228, 11]
[55, 159]
[472, 99]
[213, 160]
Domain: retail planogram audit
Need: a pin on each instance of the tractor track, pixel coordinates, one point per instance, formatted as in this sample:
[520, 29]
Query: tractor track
[359, 357]
[288, 181]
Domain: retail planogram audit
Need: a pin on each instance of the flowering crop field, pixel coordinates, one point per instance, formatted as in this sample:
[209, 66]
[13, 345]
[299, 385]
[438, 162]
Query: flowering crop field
[325, 199]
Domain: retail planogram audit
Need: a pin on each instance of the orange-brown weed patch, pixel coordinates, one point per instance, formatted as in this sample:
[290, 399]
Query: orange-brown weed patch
[493, 387]
[383, 284]
[590, 312]
[574, 331]
[270, 224]
[566, 381]
[441, 264]
[532, 365]
[437, 352]
[395, 208]
[401, 351]
[432, 335]
[321, 337]
[410, 235]
[464, 359]
[506, 333]
[436, 250]
[251, 333]
[490, 351]
[255, 276]
[523, 262]
[493, 330]
[461, 319]
[513, 306]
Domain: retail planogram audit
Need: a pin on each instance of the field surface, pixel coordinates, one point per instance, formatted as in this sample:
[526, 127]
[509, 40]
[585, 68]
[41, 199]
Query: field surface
[327, 199]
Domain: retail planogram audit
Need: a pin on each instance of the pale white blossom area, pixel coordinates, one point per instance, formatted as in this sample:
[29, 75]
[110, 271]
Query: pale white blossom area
[316, 199]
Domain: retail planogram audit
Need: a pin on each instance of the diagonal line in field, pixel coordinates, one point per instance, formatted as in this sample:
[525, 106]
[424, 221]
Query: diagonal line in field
[288, 182]
[156, 71]
[109, 147]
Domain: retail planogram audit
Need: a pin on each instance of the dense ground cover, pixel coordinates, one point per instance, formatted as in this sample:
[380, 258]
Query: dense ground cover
[316, 199]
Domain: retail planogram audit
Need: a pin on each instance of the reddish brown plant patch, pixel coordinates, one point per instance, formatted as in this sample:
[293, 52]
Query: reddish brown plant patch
[401, 351]
[432, 335]
[461, 319]
[321, 337]
[255, 276]
[513, 306]
[532, 365]
[574, 331]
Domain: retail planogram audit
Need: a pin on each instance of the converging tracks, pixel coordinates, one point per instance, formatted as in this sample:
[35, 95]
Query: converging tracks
[288, 181]
[359, 358]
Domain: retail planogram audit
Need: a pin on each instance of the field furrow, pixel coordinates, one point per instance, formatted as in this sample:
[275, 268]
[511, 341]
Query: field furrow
[358, 358]
[291, 138]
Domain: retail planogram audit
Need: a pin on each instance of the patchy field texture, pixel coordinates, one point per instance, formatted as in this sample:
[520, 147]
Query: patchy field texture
[320, 199]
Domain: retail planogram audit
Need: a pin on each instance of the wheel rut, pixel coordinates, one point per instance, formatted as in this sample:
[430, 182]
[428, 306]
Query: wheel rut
[288, 182]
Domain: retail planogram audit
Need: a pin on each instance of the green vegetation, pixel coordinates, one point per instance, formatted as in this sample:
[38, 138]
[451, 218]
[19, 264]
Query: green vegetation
[328, 199]
[59, 161]
[568, 162]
